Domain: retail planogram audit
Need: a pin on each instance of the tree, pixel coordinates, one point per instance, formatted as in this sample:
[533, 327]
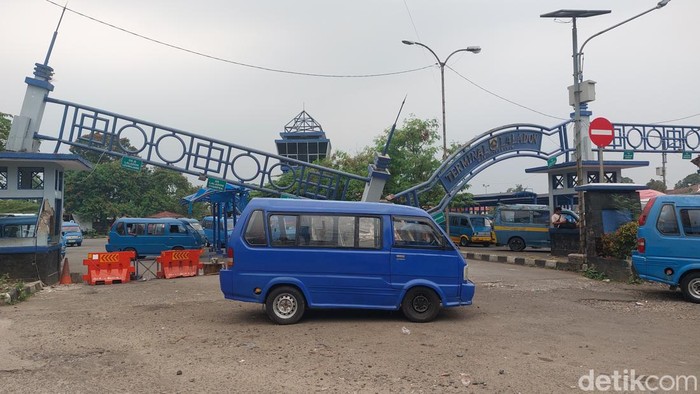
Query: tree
[109, 191]
[518, 188]
[626, 180]
[97, 140]
[5, 124]
[692, 179]
[657, 185]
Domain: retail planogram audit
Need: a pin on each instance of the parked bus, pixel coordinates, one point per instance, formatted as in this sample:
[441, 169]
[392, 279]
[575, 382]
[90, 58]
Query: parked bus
[523, 225]
[295, 254]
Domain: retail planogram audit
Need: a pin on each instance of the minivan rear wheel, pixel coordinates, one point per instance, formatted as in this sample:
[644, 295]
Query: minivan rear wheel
[690, 286]
[516, 244]
[285, 305]
[420, 305]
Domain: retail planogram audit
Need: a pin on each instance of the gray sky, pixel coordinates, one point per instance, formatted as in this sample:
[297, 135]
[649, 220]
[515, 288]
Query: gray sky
[646, 71]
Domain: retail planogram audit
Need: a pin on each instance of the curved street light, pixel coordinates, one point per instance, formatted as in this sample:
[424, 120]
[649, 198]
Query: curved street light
[472, 49]
[578, 77]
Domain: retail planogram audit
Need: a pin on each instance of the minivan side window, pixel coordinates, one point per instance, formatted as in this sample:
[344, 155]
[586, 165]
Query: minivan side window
[283, 230]
[155, 229]
[540, 217]
[120, 228]
[515, 216]
[369, 233]
[255, 230]
[326, 231]
[667, 222]
[690, 218]
[415, 232]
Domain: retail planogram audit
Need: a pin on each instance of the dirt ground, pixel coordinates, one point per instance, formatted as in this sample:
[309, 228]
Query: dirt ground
[530, 330]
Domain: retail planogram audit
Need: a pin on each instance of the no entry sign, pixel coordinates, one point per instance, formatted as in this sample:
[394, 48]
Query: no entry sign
[601, 132]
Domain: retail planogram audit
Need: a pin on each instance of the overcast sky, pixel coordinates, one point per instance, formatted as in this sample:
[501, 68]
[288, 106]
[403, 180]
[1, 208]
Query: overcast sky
[646, 71]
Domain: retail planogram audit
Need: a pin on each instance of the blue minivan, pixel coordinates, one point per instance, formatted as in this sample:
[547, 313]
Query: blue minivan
[523, 225]
[668, 241]
[209, 227]
[291, 255]
[466, 229]
[149, 236]
[71, 233]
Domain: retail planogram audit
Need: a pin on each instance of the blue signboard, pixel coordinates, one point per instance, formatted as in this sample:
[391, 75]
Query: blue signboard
[486, 150]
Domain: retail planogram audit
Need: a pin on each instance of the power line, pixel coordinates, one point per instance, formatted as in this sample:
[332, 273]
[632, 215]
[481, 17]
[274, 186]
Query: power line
[503, 98]
[194, 52]
[677, 119]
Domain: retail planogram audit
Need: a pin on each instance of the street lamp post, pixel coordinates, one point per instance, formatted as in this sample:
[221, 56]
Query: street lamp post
[578, 77]
[472, 49]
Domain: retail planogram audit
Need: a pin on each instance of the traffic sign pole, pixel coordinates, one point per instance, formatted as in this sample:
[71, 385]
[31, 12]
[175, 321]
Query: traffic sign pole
[601, 172]
[601, 132]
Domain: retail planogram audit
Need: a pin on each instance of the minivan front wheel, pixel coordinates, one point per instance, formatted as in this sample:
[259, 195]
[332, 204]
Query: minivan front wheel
[285, 305]
[516, 244]
[690, 286]
[420, 305]
[464, 241]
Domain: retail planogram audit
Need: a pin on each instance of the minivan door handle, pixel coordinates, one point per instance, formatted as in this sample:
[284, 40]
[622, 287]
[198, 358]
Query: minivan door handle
[400, 257]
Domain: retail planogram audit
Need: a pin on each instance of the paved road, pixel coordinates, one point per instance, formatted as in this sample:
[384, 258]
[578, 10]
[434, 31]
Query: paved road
[529, 330]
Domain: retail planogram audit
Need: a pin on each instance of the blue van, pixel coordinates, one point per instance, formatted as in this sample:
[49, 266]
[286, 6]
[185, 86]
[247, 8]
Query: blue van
[18, 226]
[523, 225]
[198, 227]
[293, 254]
[668, 241]
[149, 236]
[71, 233]
[208, 225]
[466, 229]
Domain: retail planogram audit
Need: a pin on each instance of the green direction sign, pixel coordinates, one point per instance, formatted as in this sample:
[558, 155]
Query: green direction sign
[551, 161]
[131, 163]
[686, 155]
[439, 217]
[216, 184]
[628, 155]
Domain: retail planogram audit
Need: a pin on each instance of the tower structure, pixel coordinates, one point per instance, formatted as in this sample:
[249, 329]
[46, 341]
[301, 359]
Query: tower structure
[303, 139]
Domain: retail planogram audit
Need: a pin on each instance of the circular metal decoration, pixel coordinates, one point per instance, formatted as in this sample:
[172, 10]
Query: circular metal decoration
[637, 142]
[650, 138]
[690, 136]
[255, 161]
[280, 187]
[162, 142]
[126, 129]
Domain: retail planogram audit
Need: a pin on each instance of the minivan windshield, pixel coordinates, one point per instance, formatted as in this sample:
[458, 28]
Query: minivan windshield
[71, 229]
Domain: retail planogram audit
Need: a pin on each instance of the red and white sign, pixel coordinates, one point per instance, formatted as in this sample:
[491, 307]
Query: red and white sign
[601, 132]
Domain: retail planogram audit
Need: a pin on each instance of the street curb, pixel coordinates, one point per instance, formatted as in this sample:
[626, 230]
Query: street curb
[527, 261]
[13, 295]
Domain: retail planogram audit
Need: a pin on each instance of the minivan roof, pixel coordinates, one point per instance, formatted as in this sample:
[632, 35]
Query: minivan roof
[534, 207]
[150, 220]
[679, 199]
[325, 206]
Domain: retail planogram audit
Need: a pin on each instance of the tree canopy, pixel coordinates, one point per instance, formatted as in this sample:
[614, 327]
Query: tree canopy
[657, 185]
[689, 180]
[5, 124]
[109, 191]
